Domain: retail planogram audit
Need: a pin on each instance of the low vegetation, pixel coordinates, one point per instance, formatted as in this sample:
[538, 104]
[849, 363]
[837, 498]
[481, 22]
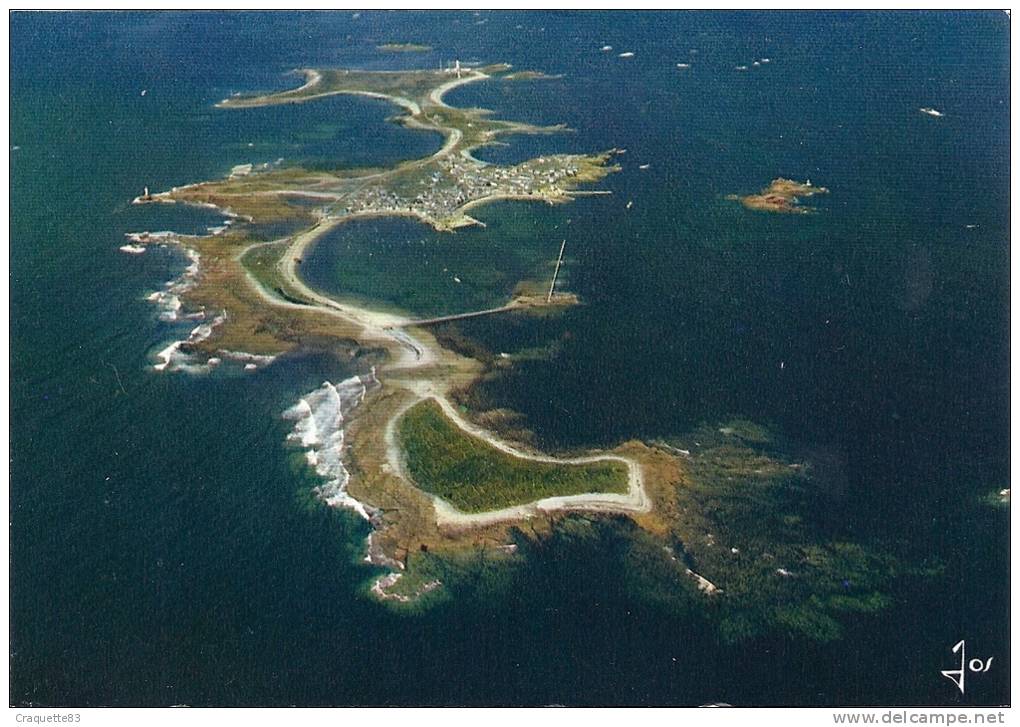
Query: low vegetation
[782, 195]
[262, 261]
[475, 477]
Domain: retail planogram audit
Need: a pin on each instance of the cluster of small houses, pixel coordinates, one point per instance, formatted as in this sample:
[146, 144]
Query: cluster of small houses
[459, 181]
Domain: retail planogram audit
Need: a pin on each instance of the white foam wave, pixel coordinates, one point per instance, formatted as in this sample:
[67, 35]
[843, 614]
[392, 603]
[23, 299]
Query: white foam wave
[202, 331]
[172, 358]
[382, 585]
[168, 302]
[148, 238]
[319, 428]
[251, 361]
[169, 299]
[319, 419]
[166, 356]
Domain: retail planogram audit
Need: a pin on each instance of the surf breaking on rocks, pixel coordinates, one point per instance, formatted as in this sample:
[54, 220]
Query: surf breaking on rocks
[176, 356]
[319, 418]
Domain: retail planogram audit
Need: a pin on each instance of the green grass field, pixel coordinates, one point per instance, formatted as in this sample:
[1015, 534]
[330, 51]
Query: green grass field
[474, 477]
[262, 262]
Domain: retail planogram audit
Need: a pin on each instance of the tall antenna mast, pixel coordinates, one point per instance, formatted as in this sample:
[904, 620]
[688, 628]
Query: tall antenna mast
[559, 261]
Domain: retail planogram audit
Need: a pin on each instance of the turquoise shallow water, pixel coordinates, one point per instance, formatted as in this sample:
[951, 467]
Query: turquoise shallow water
[163, 548]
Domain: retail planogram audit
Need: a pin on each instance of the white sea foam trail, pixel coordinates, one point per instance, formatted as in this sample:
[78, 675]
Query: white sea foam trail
[172, 358]
[319, 429]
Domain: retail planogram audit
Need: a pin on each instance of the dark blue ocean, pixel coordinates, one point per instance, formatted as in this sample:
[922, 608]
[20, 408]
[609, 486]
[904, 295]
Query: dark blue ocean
[164, 546]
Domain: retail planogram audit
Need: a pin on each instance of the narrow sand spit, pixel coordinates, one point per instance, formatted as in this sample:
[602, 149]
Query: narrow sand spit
[437, 94]
[377, 325]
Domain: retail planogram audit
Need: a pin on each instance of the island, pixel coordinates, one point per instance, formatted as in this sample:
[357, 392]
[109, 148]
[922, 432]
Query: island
[407, 459]
[716, 516]
[438, 190]
[404, 47]
[782, 195]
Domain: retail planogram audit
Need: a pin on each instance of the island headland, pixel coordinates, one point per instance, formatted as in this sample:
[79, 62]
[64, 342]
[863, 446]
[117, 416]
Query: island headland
[436, 484]
[250, 297]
